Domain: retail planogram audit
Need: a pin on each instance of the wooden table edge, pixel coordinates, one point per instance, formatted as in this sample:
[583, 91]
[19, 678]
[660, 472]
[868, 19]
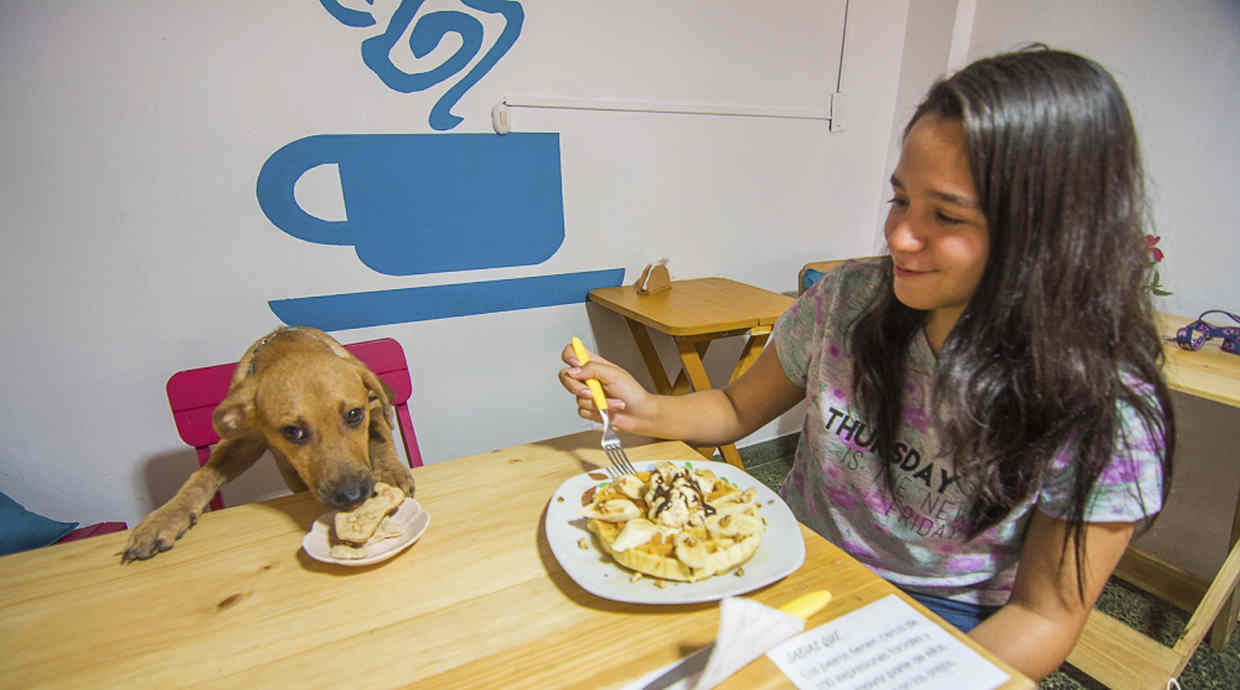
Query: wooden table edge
[599, 297]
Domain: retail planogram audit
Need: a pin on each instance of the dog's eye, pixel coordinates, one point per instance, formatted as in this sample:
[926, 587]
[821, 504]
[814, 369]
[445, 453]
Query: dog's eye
[354, 416]
[293, 433]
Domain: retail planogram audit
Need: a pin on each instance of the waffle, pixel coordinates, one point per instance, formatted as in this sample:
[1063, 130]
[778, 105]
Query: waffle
[675, 523]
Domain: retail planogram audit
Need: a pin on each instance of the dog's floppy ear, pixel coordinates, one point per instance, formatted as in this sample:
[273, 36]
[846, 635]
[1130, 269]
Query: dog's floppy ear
[380, 396]
[234, 416]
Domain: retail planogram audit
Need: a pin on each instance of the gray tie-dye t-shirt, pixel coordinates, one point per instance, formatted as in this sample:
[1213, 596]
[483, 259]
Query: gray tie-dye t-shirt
[836, 486]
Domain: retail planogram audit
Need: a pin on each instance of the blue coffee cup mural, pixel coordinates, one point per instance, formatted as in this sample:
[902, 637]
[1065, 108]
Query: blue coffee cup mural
[427, 203]
[431, 203]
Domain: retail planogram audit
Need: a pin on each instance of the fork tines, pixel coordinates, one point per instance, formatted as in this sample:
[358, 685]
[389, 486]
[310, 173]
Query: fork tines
[620, 461]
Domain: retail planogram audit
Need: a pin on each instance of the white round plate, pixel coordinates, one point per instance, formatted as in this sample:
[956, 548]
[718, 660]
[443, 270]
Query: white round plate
[781, 552]
[409, 517]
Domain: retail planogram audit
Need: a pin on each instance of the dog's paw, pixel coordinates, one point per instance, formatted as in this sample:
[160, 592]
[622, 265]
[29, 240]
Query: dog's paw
[156, 533]
[401, 479]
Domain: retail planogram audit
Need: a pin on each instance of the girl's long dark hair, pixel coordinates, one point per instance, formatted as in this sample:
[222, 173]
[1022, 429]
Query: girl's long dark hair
[1060, 332]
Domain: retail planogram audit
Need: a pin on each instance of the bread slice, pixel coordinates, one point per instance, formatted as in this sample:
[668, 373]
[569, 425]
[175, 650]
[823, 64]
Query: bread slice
[358, 525]
[386, 530]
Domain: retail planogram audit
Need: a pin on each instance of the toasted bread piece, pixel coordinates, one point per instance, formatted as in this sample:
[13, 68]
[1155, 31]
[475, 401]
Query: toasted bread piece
[386, 530]
[358, 525]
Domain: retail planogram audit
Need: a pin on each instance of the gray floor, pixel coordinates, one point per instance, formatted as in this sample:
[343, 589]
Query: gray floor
[770, 462]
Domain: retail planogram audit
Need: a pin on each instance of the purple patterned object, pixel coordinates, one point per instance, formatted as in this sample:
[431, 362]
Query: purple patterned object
[1194, 335]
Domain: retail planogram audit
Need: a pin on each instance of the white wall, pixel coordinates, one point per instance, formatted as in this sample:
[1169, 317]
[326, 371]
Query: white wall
[1176, 63]
[925, 59]
[135, 130]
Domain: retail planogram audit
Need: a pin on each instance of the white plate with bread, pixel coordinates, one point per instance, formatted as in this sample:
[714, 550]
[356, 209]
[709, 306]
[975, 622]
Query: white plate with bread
[396, 533]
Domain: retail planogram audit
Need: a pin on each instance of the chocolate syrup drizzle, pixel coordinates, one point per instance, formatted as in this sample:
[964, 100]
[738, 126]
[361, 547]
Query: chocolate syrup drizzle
[663, 493]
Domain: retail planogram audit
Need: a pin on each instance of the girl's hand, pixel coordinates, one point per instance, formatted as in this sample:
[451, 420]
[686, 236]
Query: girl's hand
[627, 401]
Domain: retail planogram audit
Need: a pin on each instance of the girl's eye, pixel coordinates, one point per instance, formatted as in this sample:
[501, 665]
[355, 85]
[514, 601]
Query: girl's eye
[946, 219]
[898, 202]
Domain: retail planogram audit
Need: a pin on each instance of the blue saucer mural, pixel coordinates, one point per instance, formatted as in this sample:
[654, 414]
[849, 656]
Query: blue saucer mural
[430, 203]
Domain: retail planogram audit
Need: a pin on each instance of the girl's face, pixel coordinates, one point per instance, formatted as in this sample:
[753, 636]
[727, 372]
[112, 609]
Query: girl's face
[935, 228]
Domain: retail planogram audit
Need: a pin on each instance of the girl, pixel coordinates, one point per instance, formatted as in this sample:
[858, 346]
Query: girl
[986, 402]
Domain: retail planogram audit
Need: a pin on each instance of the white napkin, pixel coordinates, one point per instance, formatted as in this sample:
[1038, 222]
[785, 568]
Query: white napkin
[747, 629]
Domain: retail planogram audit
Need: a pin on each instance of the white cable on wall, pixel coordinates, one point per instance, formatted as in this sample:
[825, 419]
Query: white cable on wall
[501, 115]
[651, 107]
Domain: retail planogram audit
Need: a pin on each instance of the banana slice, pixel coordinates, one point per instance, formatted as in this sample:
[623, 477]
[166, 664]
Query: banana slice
[733, 525]
[631, 486]
[714, 556]
[612, 510]
[736, 503]
[702, 555]
[706, 481]
[636, 532]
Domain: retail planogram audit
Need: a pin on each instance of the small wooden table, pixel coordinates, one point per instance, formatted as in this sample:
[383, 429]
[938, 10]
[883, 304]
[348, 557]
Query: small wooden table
[695, 313]
[1110, 651]
[478, 602]
[1214, 375]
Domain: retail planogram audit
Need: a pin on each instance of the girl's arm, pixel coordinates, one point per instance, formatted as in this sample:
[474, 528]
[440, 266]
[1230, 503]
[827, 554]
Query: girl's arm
[707, 417]
[1040, 624]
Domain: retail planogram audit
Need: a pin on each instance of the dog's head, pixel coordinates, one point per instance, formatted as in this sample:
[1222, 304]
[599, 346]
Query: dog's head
[315, 405]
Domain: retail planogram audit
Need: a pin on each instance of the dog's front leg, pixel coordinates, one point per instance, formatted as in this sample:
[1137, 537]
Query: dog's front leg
[386, 466]
[166, 524]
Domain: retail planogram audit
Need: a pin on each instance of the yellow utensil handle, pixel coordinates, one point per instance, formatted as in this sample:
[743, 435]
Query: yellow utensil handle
[596, 388]
[807, 605]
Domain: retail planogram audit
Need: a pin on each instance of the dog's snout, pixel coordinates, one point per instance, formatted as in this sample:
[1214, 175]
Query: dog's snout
[351, 492]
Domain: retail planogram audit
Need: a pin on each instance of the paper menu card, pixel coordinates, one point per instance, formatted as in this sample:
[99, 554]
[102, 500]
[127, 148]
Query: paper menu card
[886, 645]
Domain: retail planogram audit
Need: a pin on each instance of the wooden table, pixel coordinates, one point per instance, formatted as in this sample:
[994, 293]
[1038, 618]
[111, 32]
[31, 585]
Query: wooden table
[1214, 375]
[695, 313]
[1118, 655]
[478, 602]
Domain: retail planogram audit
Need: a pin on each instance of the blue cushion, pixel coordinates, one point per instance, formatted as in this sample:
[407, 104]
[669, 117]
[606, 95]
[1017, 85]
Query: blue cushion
[21, 529]
[809, 277]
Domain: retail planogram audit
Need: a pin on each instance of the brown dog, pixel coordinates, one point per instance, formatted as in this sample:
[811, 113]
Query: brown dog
[325, 417]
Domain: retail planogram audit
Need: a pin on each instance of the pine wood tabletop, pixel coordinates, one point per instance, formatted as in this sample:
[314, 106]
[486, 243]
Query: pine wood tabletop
[697, 306]
[478, 602]
[1207, 373]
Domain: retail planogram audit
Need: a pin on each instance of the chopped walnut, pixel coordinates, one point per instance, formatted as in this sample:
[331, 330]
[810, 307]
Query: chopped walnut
[739, 572]
[635, 577]
[583, 544]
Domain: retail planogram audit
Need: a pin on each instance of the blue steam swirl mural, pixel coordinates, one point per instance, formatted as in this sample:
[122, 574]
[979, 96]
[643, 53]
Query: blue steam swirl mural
[426, 34]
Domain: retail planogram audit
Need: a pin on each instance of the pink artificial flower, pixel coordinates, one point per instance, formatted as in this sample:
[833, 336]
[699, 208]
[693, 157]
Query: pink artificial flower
[1151, 243]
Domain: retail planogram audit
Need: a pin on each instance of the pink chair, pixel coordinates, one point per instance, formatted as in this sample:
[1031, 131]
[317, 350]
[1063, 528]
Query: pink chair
[194, 394]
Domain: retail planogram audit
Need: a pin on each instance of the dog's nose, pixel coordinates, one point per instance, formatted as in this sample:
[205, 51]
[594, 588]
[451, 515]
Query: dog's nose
[351, 492]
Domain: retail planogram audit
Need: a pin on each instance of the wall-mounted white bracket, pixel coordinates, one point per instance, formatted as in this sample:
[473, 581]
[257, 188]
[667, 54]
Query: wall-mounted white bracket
[837, 108]
[500, 118]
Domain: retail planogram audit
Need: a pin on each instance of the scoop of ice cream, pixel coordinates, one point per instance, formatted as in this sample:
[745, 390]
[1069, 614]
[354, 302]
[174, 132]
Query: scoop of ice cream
[676, 500]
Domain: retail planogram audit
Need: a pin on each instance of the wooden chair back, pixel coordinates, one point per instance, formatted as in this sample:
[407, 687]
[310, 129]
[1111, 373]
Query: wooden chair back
[814, 270]
[193, 395]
